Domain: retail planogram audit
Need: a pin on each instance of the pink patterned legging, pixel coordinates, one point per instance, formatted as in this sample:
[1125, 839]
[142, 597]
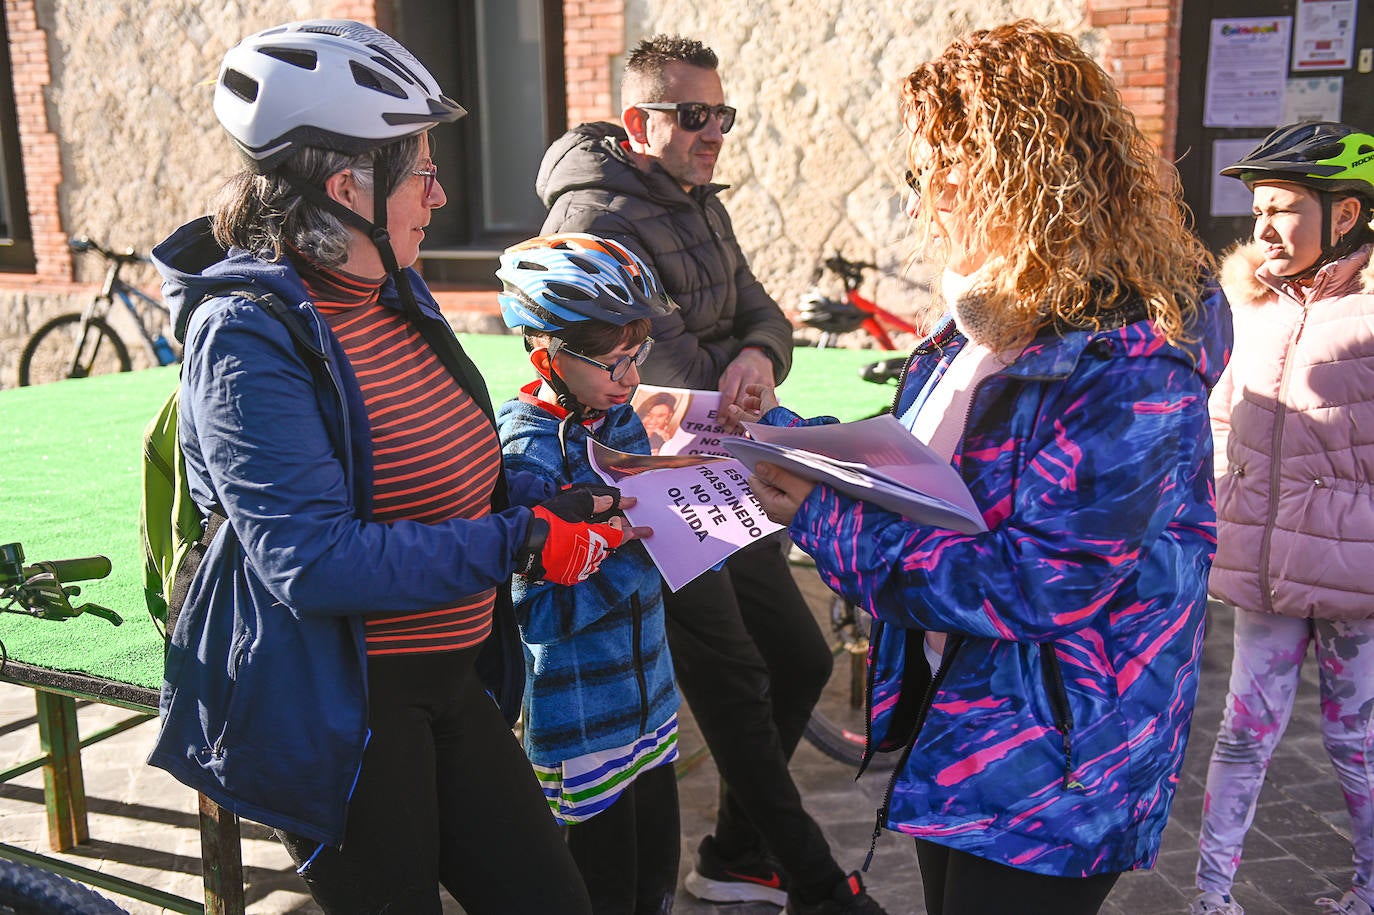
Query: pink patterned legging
[1269, 651]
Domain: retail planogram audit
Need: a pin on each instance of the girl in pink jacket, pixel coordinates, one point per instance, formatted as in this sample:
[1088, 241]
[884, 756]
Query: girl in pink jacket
[1293, 419]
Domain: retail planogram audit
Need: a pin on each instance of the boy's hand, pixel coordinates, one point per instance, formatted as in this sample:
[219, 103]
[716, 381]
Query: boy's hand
[585, 502]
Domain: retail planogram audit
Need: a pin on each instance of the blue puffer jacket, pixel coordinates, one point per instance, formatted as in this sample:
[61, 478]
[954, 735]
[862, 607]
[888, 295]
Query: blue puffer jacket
[1052, 737]
[598, 670]
[264, 704]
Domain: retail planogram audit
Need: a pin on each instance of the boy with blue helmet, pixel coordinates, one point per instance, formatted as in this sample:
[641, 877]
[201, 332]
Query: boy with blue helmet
[600, 703]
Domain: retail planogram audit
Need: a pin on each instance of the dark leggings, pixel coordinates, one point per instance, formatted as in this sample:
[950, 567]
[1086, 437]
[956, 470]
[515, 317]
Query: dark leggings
[628, 853]
[445, 797]
[957, 883]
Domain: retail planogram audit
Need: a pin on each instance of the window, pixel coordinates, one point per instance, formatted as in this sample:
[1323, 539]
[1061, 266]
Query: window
[503, 61]
[16, 242]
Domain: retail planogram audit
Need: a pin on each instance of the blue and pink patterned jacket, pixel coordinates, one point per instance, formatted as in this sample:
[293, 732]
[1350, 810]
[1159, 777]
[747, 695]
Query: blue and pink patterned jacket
[1052, 737]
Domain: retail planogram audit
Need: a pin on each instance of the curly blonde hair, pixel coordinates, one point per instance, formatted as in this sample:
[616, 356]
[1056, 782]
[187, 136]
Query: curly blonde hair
[1060, 189]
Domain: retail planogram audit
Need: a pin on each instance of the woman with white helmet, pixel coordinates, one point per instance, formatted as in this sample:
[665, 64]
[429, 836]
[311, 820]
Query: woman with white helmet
[332, 672]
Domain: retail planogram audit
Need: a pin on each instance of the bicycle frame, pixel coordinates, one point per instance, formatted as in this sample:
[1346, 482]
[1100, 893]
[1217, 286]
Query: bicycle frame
[127, 294]
[875, 316]
[875, 313]
[101, 305]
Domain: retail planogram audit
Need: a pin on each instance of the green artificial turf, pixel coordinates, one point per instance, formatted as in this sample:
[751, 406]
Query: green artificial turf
[70, 478]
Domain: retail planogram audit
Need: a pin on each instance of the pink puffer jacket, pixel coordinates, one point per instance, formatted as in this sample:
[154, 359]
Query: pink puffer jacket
[1293, 418]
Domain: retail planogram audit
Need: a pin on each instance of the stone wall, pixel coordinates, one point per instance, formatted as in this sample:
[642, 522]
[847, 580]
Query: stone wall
[120, 143]
[814, 159]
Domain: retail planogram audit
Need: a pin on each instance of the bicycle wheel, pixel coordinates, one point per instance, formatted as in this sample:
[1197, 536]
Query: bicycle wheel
[837, 726]
[48, 354]
[26, 890]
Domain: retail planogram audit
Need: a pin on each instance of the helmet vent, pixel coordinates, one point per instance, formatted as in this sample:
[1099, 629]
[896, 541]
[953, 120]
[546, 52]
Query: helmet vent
[566, 291]
[382, 59]
[306, 60]
[530, 265]
[241, 85]
[581, 263]
[371, 79]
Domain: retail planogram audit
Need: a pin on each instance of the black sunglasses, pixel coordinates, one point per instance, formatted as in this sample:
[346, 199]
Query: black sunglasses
[692, 116]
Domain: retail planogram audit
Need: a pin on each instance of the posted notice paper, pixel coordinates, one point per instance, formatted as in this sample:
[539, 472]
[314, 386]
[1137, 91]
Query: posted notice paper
[700, 507]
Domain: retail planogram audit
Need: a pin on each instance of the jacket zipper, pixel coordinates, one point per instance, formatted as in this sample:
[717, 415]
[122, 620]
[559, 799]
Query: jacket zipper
[637, 633]
[1275, 465]
[1053, 676]
[951, 651]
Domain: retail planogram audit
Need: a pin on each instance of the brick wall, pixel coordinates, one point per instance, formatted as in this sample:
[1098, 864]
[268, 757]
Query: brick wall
[594, 33]
[30, 70]
[1141, 53]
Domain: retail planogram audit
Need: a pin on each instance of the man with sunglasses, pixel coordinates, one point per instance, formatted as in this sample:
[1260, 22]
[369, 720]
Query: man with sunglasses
[749, 657]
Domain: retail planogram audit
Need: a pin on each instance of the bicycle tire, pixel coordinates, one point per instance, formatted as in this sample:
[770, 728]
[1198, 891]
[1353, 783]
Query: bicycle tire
[837, 726]
[27, 890]
[47, 355]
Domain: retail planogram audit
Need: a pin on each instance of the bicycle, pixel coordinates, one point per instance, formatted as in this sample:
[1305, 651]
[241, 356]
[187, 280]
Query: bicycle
[43, 590]
[855, 312]
[839, 722]
[80, 344]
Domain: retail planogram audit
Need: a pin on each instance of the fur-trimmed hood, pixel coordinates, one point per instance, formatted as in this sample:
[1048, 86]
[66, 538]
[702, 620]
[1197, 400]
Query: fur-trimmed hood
[1244, 285]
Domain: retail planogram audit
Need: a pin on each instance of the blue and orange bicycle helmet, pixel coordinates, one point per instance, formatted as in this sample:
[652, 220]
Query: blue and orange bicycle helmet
[553, 281]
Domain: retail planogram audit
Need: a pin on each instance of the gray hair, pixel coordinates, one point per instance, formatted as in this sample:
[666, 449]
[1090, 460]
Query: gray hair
[267, 216]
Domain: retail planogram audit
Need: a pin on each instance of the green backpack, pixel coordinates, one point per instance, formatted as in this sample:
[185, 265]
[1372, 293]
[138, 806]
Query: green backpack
[176, 533]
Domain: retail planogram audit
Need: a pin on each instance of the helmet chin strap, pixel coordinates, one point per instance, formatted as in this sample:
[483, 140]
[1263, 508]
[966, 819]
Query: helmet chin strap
[376, 230]
[577, 411]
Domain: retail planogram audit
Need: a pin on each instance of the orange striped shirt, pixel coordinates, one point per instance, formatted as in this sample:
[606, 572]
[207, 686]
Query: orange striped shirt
[435, 453]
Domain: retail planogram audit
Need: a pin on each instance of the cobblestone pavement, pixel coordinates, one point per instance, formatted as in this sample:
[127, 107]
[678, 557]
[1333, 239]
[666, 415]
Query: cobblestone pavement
[143, 824]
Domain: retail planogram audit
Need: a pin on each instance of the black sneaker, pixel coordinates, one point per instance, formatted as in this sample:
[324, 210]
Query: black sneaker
[753, 878]
[849, 898]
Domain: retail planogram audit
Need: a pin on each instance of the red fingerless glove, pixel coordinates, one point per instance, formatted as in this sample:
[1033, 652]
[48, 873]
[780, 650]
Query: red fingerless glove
[565, 552]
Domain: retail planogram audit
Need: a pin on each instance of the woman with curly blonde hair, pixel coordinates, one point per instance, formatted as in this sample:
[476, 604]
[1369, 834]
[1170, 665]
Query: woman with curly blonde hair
[1038, 675]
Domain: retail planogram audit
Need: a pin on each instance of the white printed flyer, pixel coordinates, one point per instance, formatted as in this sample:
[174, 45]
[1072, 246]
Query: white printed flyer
[700, 507]
[876, 460]
[680, 421]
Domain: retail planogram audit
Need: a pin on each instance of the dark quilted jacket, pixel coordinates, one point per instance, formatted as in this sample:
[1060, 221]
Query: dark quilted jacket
[589, 183]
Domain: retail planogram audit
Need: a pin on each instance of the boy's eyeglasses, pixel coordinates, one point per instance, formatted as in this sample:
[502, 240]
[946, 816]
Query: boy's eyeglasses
[430, 174]
[692, 116]
[619, 368]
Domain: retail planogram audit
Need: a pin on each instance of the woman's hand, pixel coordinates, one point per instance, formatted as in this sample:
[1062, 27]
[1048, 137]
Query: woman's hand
[781, 493]
[754, 401]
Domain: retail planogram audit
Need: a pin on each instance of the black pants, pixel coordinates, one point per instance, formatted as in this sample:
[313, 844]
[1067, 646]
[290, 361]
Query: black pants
[751, 663]
[957, 883]
[628, 853]
[445, 797]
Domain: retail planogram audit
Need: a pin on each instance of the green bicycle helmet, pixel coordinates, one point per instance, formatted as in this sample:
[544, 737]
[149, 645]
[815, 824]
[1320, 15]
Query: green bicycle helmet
[1322, 155]
[1334, 160]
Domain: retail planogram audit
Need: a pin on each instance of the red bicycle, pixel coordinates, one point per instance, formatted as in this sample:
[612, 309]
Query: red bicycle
[856, 312]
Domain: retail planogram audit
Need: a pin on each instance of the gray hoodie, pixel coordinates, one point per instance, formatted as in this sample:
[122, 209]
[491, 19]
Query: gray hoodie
[590, 184]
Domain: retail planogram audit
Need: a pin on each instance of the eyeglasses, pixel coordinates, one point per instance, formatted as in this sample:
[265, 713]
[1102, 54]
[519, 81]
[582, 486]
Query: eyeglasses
[692, 116]
[619, 368]
[430, 175]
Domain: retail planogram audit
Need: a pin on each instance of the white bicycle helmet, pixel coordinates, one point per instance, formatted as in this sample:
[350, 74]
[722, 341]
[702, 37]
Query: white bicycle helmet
[329, 83]
[553, 281]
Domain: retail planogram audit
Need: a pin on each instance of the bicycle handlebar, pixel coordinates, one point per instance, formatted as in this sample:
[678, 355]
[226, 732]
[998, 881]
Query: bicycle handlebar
[82, 243]
[42, 589]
